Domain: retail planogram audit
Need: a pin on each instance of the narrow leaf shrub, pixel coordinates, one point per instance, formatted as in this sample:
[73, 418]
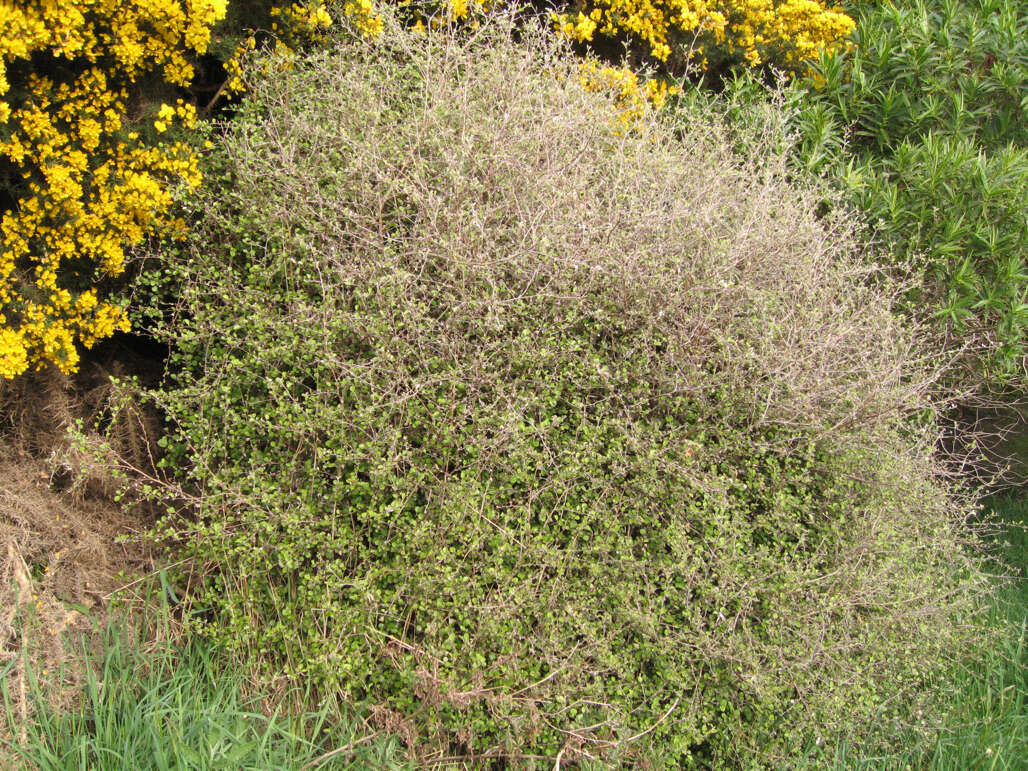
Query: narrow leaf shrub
[543, 439]
[922, 121]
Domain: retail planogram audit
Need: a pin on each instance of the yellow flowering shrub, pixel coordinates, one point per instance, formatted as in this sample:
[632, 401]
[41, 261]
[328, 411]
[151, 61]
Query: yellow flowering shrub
[458, 11]
[633, 94]
[80, 186]
[687, 32]
[295, 25]
[421, 15]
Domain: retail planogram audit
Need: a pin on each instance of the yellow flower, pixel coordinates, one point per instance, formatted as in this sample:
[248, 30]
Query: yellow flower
[88, 192]
[13, 356]
[788, 31]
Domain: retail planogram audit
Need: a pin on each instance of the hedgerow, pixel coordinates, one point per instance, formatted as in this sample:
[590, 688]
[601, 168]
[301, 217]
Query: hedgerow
[81, 186]
[542, 440]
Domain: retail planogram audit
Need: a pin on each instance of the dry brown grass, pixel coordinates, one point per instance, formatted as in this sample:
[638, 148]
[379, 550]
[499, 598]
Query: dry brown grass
[62, 553]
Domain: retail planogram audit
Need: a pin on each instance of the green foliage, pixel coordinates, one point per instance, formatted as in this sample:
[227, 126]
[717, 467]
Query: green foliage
[923, 123]
[163, 706]
[547, 441]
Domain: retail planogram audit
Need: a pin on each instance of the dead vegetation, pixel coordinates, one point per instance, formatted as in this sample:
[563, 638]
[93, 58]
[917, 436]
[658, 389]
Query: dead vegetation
[66, 545]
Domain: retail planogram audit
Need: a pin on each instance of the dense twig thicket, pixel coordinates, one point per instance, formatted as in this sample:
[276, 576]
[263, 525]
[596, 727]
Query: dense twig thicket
[545, 438]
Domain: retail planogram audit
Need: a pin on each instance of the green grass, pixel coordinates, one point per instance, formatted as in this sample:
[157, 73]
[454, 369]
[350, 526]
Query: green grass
[990, 719]
[179, 707]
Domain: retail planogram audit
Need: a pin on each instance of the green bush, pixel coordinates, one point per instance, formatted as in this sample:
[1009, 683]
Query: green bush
[545, 440]
[923, 121]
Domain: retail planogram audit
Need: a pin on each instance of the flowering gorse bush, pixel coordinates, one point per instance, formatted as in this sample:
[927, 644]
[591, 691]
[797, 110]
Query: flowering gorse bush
[291, 28]
[633, 94]
[80, 186]
[688, 32]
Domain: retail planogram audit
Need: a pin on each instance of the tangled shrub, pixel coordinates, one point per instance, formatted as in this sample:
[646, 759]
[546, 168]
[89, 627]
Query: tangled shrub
[545, 441]
[292, 27]
[78, 186]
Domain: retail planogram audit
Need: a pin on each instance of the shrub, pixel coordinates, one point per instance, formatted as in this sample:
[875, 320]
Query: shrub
[291, 26]
[922, 121]
[682, 33]
[543, 440]
[77, 186]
